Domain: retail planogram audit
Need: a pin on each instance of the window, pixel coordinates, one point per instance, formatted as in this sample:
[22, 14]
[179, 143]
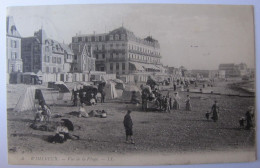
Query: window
[48, 59]
[75, 39]
[12, 68]
[53, 59]
[123, 66]
[79, 39]
[58, 60]
[122, 36]
[96, 38]
[36, 48]
[47, 69]
[111, 37]
[123, 44]
[111, 46]
[103, 38]
[54, 69]
[103, 47]
[116, 37]
[89, 39]
[83, 38]
[13, 30]
[13, 55]
[117, 66]
[103, 56]
[13, 44]
[96, 56]
[111, 66]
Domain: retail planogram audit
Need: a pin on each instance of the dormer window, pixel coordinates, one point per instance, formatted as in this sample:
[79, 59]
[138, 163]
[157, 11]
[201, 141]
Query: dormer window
[13, 30]
[122, 36]
[103, 38]
[116, 37]
[111, 37]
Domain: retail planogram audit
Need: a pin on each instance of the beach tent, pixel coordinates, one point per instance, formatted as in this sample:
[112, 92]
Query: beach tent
[119, 84]
[110, 90]
[27, 100]
[128, 91]
[62, 87]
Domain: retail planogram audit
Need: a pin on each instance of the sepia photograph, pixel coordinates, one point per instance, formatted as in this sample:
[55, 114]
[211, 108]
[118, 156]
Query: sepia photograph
[130, 84]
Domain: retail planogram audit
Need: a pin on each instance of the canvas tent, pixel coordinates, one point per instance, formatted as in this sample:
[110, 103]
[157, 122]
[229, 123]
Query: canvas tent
[119, 84]
[62, 87]
[110, 90]
[127, 93]
[27, 100]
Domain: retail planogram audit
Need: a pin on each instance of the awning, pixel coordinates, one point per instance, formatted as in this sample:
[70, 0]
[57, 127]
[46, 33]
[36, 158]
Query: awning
[138, 66]
[142, 67]
[151, 66]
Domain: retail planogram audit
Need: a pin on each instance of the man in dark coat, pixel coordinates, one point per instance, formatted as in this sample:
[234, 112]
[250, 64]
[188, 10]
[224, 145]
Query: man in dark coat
[249, 118]
[128, 124]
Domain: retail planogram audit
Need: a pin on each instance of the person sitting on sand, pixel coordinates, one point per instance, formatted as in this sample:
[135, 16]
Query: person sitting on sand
[215, 111]
[128, 124]
[188, 104]
[62, 134]
[82, 112]
[38, 114]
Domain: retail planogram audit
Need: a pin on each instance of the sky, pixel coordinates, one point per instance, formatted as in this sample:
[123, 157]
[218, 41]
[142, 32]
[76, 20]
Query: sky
[193, 36]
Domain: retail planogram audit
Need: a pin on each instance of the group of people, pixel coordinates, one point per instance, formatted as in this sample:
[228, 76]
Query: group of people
[164, 102]
[80, 96]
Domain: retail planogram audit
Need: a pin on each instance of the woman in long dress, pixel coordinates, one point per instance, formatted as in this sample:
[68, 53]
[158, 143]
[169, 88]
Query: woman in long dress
[176, 105]
[215, 111]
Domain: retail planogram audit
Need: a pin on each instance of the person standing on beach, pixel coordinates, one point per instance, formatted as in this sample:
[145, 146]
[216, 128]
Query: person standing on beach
[249, 118]
[188, 104]
[215, 111]
[128, 124]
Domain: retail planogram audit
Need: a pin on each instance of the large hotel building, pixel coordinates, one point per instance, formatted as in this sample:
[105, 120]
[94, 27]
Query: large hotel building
[121, 52]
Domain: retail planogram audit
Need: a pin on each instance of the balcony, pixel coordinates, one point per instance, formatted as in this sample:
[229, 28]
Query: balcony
[103, 51]
[143, 53]
[116, 59]
[144, 61]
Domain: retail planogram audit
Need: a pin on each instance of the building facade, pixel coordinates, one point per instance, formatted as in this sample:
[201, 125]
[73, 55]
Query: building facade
[234, 70]
[83, 60]
[216, 74]
[40, 53]
[13, 47]
[121, 52]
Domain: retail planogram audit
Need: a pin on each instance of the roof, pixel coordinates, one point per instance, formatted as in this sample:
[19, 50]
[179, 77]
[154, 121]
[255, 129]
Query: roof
[121, 30]
[66, 48]
[11, 29]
